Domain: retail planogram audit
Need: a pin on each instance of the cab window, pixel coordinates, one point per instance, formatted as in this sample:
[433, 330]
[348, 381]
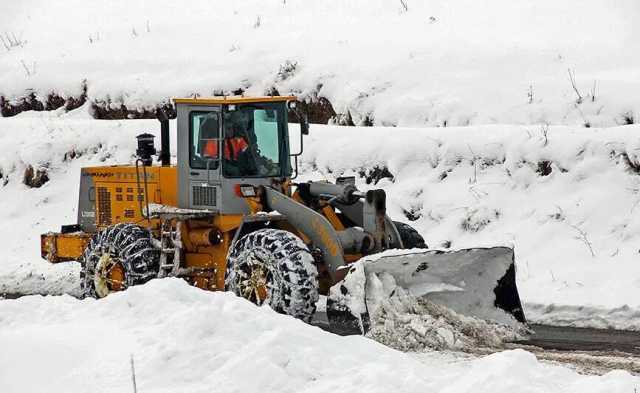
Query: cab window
[204, 139]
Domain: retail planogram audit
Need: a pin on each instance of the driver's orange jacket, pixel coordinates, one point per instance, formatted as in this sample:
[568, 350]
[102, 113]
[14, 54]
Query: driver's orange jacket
[232, 148]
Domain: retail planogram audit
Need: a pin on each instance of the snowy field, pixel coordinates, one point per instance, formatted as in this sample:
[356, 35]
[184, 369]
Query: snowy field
[429, 63]
[188, 340]
[567, 201]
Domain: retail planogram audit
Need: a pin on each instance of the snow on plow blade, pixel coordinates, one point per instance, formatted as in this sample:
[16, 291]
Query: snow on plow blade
[477, 282]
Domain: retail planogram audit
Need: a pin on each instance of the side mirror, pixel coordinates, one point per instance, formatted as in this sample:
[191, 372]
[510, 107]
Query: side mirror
[304, 124]
[304, 120]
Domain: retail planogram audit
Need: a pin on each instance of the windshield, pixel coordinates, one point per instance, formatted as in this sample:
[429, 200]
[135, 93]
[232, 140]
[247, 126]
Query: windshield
[252, 144]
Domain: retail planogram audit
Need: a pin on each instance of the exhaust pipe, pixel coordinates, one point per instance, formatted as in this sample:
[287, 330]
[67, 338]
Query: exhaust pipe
[165, 155]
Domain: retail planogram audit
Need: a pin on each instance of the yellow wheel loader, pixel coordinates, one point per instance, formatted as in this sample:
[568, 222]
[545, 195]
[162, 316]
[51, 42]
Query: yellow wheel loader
[230, 216]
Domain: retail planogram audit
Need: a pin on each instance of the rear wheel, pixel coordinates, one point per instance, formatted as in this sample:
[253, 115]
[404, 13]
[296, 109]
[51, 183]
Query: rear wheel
[409, 236]
[274, 267]
[116, 258]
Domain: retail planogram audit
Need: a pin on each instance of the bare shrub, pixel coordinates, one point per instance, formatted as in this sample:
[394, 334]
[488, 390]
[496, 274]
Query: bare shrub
[477, 219]
[373, 176]
[10, 41]
[35, 178]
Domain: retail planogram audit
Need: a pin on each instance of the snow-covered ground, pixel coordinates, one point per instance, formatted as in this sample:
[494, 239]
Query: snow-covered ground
[573, 221]
[405, 63]
[188, 340]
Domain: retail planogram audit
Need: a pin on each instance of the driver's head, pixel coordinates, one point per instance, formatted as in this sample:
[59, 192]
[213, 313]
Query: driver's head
[209, 128]
[233, 131]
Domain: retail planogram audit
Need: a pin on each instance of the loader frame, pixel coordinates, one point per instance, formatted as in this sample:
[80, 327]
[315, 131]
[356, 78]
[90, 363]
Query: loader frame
[196, 211]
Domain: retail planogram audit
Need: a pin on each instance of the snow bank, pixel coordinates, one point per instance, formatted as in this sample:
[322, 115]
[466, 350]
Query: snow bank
[620, 318]
[185, 339]
[557, 197]
[432, 63]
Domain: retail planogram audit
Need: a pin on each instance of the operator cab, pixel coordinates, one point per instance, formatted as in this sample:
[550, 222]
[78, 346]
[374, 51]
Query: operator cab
[246, 140]
[226, 141]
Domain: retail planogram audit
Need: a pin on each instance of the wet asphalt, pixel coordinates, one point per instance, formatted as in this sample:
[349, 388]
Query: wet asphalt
[564, 338]
[560, 338]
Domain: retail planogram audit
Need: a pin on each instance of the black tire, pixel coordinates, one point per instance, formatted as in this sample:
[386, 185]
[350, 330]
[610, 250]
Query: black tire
[284, 264]
[409, 236]
[130, 246]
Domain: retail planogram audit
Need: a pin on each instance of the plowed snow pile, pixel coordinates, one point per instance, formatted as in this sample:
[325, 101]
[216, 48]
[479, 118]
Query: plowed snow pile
[186, 340]
[411, 324]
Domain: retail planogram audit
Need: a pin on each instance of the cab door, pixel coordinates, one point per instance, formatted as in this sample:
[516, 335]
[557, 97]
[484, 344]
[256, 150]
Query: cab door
[199, 131]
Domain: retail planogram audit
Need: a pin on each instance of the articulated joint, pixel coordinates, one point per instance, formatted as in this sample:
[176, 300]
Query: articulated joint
[205, 237]
[355, 240]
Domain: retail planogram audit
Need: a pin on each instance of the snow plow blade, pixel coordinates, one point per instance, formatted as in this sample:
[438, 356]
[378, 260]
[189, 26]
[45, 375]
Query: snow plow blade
[476, 282]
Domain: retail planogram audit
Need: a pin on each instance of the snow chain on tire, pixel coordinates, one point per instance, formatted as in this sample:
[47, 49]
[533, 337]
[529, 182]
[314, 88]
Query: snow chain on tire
[130, 245]
[291, 275]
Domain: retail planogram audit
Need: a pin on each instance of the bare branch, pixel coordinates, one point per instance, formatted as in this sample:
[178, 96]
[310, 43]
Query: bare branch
[572, 79]
[404, 4]
[544, 129]
[529, 133]
[26, 69]
[10, 41]
[582, 236]
[5, 43]
[475, 167]
[133, 376]
[15, 39]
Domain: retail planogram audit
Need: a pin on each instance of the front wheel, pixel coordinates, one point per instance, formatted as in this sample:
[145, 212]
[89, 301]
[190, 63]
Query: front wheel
[116, 258]
[274, 267]
[409, 236]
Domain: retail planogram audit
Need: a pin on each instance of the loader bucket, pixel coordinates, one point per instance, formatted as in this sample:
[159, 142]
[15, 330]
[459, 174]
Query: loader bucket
[476, 282]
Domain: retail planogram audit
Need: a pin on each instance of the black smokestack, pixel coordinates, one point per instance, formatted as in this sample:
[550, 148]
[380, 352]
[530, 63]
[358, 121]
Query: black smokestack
[165, 156]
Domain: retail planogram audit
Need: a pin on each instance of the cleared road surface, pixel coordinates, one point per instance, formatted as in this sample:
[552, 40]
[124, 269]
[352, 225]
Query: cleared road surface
[584, 339]
[561, 338]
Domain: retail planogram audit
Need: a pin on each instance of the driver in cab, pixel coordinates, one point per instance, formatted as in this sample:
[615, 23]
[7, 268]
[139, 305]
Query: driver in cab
[234, 145]
[235, 148]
